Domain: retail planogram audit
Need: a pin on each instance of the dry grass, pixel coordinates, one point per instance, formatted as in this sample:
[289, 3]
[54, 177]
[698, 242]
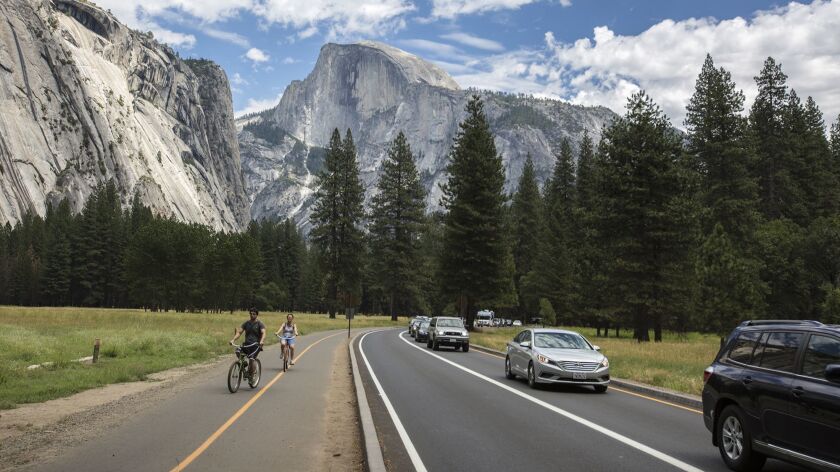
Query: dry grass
[134, 344]
[676, 363]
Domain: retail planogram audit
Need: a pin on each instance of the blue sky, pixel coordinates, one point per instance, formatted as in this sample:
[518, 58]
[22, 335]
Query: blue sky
[593, 52]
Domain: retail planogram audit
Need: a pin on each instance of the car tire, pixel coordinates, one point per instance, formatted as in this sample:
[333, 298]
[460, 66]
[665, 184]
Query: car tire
[466, 347]
[600, 388]
[435, 346]
[429, 342]
[508, 372]
[532, 376]
[735, 442]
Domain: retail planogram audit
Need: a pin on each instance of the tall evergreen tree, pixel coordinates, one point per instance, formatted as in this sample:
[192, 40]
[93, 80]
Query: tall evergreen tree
[336, 218]
[474, 245]
[527, 214]
[57, 267]
[642, 215]
[397, 214]
[779, 194]
[717, 143]
[820, 184]
[556, 272]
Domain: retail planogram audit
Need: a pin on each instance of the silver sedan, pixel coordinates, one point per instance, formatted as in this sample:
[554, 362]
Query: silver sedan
[556, 356]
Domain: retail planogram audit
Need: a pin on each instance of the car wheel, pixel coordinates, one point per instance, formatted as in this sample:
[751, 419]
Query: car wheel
[735, 442]
[466, 347]
[600, 388]
[429, 343]
[509, 373]
[532, 376]
[435, 346]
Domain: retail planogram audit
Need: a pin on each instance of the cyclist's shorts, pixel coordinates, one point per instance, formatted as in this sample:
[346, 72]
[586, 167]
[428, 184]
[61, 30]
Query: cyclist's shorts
[289, 341]
[251, 350]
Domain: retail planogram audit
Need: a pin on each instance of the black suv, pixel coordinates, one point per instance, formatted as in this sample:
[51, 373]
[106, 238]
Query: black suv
[774, 391]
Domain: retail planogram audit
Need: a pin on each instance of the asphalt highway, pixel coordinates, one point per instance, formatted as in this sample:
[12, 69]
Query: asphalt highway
[453, 411]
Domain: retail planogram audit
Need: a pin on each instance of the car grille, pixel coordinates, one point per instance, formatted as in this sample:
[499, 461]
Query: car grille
[572, 366]
[451, 333]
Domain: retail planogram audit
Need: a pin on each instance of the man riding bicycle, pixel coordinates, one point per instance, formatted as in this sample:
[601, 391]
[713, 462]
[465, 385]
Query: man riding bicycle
[287, 340]
[254, 330]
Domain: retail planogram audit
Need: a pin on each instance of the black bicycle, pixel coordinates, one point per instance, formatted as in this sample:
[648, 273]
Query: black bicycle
[240, 369]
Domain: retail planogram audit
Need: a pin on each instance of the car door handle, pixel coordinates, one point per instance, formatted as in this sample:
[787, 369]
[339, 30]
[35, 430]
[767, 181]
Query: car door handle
[746, 380]
[798, 391]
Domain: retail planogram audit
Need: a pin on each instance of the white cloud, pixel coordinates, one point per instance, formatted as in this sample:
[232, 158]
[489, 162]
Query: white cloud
[453, 8]
[255, 105]
[238, 79]
[474, 41]
[290, 60]
[230, 37]
[342, 18]
[436, 49]
[307, 33]
[666, 58]
[173, 38]
[257, 55]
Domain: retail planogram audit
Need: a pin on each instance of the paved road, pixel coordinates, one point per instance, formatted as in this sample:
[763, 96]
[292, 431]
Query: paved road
[458, 412]
[243, 431]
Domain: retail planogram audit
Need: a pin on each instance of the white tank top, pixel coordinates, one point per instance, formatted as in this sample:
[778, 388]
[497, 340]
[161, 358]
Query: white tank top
[288, 330]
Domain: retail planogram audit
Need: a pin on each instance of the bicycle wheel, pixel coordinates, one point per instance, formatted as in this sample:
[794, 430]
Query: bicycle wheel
[285, 359]
[255, 377]
[234, 376]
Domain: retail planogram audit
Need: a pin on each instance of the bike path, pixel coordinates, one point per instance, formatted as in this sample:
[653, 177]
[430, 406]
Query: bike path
[278, 426]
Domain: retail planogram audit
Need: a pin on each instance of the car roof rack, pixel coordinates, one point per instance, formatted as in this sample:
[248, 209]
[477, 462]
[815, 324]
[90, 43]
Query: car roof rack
[782, 322]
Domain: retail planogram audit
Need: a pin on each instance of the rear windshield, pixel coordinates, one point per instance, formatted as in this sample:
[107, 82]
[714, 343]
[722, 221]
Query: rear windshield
[444, 323]
[560, 341]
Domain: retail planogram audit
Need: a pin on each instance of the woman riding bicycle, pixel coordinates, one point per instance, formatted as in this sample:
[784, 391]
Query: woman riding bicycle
[287, 339]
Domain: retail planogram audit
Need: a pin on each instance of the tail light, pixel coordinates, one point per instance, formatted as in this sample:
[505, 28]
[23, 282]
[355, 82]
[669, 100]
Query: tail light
[707, 374]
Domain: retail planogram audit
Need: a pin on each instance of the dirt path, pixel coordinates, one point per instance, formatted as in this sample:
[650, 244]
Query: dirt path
[343, 442]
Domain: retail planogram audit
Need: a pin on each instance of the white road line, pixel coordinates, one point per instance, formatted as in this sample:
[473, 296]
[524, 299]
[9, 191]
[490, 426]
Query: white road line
[409, 446]
[618, 437]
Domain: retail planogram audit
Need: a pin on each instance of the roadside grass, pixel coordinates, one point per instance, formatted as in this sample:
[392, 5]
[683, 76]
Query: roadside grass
[676, 363]
[134, 344]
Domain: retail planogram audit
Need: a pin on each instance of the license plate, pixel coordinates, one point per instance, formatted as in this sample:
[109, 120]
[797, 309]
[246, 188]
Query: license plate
[578, 376]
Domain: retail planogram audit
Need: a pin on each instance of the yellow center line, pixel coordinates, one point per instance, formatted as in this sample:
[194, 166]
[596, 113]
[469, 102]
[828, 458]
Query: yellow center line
[213, 437]
[617, 389]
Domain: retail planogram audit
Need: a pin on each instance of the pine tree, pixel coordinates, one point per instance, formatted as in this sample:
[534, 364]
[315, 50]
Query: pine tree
[527, 214]
[336, 218]
[556, 273]
[820, 184]
[474, 245]
[718, 146]
[58, 259]
[642, 216]
[397, 214]
[778, 192]
[730, 287]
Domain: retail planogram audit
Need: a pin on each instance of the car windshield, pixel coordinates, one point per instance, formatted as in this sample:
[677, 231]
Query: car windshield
[449, 323]
[424, 325]
[560, 341]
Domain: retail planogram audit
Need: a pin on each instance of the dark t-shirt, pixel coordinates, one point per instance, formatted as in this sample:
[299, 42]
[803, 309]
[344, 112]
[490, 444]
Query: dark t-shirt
[253, 331]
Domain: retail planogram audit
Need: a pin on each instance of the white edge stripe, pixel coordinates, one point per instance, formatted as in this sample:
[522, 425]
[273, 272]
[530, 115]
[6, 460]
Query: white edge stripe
[618, 437]
[409, 446]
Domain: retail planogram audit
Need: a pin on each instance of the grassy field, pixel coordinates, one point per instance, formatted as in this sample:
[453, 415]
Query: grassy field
[134, 344]
[676, 363]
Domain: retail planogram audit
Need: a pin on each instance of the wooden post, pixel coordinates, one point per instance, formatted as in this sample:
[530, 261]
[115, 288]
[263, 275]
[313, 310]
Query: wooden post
[95, 350]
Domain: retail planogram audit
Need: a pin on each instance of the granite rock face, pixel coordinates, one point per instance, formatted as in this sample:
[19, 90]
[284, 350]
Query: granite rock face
[377, 91]
[85, 99]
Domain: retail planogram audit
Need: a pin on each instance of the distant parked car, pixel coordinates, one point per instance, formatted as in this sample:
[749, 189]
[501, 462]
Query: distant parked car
[445, 331]
[516, 323]
[556, 356]
[422, 332]
[774, 391]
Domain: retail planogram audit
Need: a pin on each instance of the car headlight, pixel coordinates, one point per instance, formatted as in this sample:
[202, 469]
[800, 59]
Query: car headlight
[605, 362]
[543, 359]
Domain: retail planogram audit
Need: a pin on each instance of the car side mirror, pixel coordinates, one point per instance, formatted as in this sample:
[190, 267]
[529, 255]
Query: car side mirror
[832, 373]
[597, 348]
[526, 344]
